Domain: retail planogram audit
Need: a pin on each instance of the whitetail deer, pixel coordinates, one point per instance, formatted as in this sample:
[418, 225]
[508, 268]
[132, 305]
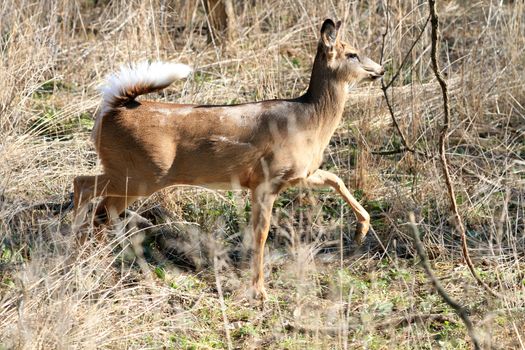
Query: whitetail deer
[262, 146]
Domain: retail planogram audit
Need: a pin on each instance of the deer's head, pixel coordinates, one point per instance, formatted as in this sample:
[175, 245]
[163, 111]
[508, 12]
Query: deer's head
[348, 64]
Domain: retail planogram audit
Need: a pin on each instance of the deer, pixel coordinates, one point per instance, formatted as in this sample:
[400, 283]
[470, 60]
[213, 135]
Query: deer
[264, 147]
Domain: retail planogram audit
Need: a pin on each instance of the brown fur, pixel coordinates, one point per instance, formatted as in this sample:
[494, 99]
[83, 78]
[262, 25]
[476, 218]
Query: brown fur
[263, 146]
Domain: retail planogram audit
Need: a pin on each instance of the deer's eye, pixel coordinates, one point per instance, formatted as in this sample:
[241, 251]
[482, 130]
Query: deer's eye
[352, 56]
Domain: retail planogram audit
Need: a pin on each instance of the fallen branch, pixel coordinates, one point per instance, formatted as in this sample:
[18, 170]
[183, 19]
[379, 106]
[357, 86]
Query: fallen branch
[390, 152]
[390, 323]
[56, 208]
[442, 151]
[411, 319]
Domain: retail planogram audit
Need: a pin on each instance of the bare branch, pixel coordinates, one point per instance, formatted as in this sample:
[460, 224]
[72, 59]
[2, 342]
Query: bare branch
[385, 87]
[442, 141]
[396, 125]
[394, 78]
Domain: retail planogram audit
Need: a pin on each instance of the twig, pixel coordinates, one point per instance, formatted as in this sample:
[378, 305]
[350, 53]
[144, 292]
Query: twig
[385, 87]
[396, 125]
[385, 33]
[394, 78]
[442, 140]
[460, 310]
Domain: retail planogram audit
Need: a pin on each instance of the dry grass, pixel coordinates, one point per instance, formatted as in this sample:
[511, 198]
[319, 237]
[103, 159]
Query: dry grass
[181, 284]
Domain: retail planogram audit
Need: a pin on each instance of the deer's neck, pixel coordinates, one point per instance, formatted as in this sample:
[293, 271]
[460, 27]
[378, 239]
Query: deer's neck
[327, 95]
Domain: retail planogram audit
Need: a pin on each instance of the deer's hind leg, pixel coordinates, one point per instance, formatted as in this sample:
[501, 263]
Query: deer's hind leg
[117, 196]
[85, 189]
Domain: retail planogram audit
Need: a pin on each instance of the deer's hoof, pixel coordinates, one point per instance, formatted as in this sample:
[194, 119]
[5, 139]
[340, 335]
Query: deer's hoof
[360, 232]
[258, 292]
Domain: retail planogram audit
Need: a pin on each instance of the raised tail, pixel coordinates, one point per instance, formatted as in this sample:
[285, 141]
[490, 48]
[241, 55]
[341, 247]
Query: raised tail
[138, 79]
[135, 80]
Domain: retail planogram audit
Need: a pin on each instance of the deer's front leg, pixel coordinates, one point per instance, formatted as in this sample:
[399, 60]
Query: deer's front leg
[262, 203]
[322, 178]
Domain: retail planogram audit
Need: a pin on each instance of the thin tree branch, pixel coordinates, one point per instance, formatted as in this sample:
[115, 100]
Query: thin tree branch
[385, 87]
[442, 141]
[385, 33]
[459, 309]
[398, 128]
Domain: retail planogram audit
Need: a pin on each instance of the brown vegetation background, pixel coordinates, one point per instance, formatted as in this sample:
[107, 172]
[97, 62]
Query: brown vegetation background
[181, 284]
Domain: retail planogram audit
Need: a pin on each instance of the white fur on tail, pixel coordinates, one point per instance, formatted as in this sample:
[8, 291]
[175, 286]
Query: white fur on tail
[137, 79]
[148, 76]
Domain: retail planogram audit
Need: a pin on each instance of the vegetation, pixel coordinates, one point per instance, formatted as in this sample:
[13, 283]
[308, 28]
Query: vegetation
[181, 284]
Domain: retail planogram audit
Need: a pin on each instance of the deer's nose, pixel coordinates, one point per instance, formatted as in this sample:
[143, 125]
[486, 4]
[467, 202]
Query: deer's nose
[382, 71]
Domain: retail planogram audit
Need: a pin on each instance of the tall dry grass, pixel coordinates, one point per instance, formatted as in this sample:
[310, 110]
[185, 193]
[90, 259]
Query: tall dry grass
[180, 285]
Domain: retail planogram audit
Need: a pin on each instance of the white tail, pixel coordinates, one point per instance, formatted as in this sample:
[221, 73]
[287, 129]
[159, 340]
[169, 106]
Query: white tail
[138, 79]
[134, 80]
[265, 146]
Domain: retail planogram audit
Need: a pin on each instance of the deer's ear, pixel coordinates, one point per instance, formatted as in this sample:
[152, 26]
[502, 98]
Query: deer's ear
[330, 33]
